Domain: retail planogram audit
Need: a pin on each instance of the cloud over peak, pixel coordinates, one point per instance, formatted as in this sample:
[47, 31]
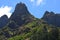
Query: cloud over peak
[5, 10]
[32, 0]
[37, 2]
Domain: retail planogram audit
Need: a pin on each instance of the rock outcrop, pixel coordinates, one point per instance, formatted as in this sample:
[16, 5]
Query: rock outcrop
[52, 18]
[3, 21]
[21, 15]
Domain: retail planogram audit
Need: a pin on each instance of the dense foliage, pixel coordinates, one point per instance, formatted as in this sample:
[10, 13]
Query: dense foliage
[36, 30]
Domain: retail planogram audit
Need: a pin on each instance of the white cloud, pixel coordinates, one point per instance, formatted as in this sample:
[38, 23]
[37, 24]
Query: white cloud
[32, 0]
[37, 2]
[5, 10]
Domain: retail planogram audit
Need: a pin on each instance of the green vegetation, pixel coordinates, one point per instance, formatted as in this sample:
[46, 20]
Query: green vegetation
[36, 30]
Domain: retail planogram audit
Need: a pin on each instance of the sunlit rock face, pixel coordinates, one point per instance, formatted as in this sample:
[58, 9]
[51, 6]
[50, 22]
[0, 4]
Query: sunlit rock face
[52, 18]
[3, 21]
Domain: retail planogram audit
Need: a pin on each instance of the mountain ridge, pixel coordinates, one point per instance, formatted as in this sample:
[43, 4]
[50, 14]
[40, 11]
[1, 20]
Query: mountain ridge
[52, 18]
[24, 26]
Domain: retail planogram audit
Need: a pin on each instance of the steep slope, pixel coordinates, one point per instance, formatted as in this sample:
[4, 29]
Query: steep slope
[21, 15]
[37, 30]
[24, 26]
[3, 21]
[52, 18]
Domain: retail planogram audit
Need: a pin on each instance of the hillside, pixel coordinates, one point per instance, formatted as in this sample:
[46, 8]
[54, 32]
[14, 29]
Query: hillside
[24, 26]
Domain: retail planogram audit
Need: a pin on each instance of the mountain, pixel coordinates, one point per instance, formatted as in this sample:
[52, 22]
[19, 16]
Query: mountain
[24, 26]
[52, 18]
[21, 15]
[3, 21]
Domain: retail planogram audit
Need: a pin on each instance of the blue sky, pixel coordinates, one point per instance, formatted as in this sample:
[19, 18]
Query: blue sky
[35, 7]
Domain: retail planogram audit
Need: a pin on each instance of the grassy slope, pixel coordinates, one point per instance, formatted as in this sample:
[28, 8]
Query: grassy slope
[39, 30]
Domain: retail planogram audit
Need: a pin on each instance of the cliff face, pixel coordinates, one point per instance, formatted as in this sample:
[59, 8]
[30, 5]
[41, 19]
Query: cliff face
[23, 26]
[3, 21]
[21, 15]
[52, 18]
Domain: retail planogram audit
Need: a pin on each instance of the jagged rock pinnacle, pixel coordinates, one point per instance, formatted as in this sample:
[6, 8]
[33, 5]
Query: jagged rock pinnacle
[21, 14]
[3, 21]
[51, 18]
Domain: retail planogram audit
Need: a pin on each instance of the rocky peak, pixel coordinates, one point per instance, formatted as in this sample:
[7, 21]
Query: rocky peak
[20, 7]
[3, 21]
[52, 18]
[21, 14]
[47, 14]
[4, 16]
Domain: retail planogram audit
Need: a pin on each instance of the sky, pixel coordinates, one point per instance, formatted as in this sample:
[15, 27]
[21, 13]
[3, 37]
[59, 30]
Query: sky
[35, 7]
